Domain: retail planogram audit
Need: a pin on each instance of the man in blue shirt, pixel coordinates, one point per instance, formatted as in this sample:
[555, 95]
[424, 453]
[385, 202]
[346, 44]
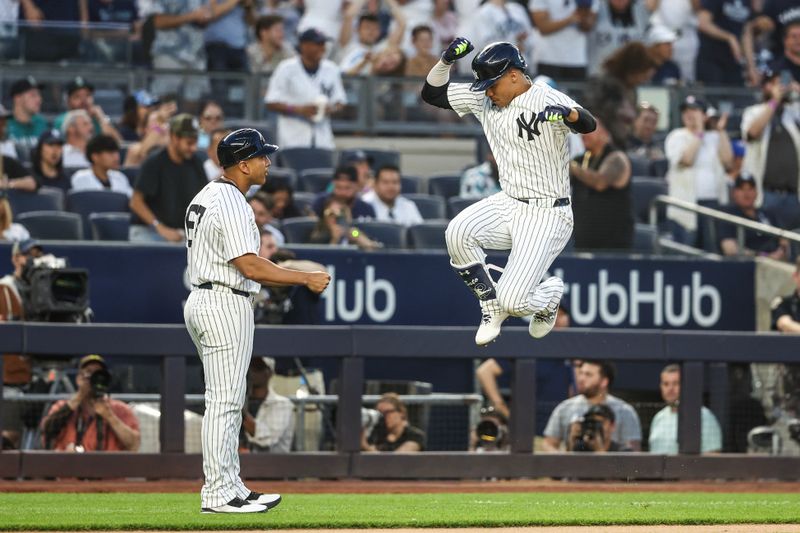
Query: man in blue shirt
[345, 190]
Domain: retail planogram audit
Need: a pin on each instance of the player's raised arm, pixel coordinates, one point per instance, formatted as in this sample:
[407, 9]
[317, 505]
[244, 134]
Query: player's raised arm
[434, 91]
[576, 118]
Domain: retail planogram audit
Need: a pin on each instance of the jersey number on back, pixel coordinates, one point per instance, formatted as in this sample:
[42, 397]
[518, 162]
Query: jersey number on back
[193, 216]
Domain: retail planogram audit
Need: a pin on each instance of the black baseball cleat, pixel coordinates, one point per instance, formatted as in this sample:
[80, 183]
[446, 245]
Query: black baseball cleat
[269, 500]
[237, 505]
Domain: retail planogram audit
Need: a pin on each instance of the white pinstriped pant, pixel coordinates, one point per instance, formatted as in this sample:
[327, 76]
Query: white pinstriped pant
[221, 326]
[535, 236]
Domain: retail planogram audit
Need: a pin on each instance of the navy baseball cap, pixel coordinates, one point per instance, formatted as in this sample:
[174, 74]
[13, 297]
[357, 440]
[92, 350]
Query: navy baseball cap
[51, 137]
[744, 179]
[692, 102]
[77, 84]
[312, 35]
[24, 85]
[354, 156]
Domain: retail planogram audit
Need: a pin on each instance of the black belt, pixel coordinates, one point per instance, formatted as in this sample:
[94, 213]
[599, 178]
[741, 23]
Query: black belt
[209, 286]
[558, 202]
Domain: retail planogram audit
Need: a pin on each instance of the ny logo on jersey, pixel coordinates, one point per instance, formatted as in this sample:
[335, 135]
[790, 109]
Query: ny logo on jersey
[531, 126]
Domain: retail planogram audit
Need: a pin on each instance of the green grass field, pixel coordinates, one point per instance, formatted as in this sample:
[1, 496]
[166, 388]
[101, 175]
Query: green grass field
[45, 511]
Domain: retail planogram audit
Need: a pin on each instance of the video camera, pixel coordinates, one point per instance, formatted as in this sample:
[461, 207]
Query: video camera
[52, 292]
[491, 431]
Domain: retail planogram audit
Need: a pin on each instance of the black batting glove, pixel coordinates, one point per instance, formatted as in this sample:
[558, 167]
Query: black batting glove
[554, 113]
[457, 49]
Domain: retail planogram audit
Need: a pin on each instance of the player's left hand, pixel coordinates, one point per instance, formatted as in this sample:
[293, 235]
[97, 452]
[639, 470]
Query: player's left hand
[554, 113]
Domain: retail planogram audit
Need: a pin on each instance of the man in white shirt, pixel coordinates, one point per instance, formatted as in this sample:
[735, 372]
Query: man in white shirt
[77, 129]
[272, 427]
[357, 55]
[664, 428]
[103, 175]
[305, 91]
[385, 198]
[563, 25]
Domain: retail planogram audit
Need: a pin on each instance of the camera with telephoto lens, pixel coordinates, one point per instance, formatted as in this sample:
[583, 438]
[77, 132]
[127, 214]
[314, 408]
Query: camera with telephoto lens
[591, 428]
[491, 431]
[52, 292]
[99, 382]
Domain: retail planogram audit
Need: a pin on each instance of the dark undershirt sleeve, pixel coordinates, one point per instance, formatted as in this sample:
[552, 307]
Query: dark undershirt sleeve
[436, 96]
[585, 123]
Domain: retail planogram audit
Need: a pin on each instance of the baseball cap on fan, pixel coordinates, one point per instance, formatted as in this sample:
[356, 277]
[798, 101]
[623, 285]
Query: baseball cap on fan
[184, 125]
[692, 102]
[92, 358]
[24, 85]
[312, 35]
[77, 84]
[661, 34]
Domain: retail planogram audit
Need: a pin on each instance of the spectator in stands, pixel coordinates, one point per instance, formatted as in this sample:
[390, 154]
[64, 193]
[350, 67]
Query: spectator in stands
[211, 118]
[594, 431]
[423, 60]
[618, 22]
[226, 36]
[325, 16]
[102, 151]
[773, 20]
[267, 417]
[283, 200]
[773, 148]
[6, 145]
[498, 20]
[594, 380]
[60, 38]
[47, 163]
[388, 203]
[80, 95]
[786, 310]
[643, 142]
[393, 433]
[270, 46]
[345, 191]
[359, 160]
[26, 123]
[91, 420]
[168, 181]
[136, 108]
[661, 40]
[14, 175]
[262, 205]
[21, 252]
[10, 230]
[680, 17]
[743, 205]
[77, 129]
[305, 91]
[335, 226]
[482, 180]
[601, 194]
[720, 59]
[154, 136]
[211, 165]
[698, 156]
[444, 24]
[357, 56]
[664, 427]
[563, 46]
[178, 45]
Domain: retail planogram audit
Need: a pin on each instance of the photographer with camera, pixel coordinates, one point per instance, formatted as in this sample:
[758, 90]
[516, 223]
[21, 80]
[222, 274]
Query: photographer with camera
[90, 420]
[593, 432]
[772, 134]
[21, 252]
[594, 379]
[392, 432]
[267, 417]
[491, 432]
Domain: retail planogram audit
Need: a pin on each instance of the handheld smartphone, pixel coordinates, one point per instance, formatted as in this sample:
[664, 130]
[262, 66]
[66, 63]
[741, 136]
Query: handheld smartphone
[725, 107]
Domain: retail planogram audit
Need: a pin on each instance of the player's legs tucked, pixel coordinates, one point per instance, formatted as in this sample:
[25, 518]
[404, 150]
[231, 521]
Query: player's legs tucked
[483, 225]
[221, 326]
[539, 235]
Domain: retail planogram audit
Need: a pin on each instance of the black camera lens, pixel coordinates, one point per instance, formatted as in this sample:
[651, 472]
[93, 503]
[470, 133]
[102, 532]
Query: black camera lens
[99, 382]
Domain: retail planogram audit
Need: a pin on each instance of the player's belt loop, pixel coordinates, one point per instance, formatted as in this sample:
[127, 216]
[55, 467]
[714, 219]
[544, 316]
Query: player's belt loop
[209, 286]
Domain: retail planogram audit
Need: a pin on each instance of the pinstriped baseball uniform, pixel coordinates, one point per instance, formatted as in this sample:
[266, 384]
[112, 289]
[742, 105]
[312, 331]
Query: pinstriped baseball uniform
[220, 226]
[533, 161]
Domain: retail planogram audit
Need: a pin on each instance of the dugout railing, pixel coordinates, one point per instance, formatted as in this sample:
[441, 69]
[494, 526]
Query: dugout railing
[352, 345]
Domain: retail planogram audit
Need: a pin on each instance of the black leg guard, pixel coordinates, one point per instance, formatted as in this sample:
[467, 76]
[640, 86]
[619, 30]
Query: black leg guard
[478, 280]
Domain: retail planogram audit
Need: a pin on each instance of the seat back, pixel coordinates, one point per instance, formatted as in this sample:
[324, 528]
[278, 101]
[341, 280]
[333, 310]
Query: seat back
[430, 207]
[456, 204]
[298, 230]
[110, 226]
[301, 159]
[85, 203]
[644, 238]
[53, 225]
[389, 234]
[25, 202]
[428, 235]
[444, 185]
[644, 190]
[411, 184]
[315, 180]
[377, 158]
[285, 175]
[304, 201]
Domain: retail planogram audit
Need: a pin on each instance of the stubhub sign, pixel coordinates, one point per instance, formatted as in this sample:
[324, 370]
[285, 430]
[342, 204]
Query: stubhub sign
[146, 284]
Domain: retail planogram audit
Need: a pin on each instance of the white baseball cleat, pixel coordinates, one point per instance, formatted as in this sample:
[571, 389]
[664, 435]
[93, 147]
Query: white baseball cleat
[236, 505]
[491, 322]
[541, 323]
[270, 500]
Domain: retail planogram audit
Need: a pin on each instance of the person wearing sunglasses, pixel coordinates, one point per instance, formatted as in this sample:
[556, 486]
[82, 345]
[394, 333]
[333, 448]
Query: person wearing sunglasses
[393, 433]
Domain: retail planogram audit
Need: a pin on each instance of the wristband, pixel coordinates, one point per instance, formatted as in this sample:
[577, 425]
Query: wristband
[155, 223]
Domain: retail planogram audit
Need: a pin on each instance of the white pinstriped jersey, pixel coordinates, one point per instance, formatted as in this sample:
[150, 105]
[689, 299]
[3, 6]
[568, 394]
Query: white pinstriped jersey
[220, 226]
[532, 157]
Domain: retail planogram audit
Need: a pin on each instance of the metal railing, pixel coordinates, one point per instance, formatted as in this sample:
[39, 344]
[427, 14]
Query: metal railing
[742, 224]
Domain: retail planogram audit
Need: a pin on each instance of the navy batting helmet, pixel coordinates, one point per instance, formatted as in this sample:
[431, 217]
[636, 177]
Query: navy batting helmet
[241, 145]
[493, 62]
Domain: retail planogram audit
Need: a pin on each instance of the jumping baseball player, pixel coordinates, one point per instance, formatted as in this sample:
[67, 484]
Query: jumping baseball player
[526, 125]
[222, 242]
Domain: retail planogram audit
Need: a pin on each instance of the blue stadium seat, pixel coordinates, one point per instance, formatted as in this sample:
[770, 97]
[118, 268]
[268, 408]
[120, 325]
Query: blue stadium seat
[644, 238]
[132, 174]
[644, 190]
[428, 235]
[410, 184]
[284, 175]
[110, 226]
[389, 234]
[69, 171]
[298, 230]
[301, 159]
[659, 167]
[444, 185]
[377, 158]
[304, 201]
[430, 207]
[85, 203]
[456, 204]
[52, 225]
[640, 166]
[315, 179]
[24, 202]
[55, 193]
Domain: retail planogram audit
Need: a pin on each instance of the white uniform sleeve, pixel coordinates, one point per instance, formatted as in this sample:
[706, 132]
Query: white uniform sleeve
[463, 100]
[235, 221]
[278, 84]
